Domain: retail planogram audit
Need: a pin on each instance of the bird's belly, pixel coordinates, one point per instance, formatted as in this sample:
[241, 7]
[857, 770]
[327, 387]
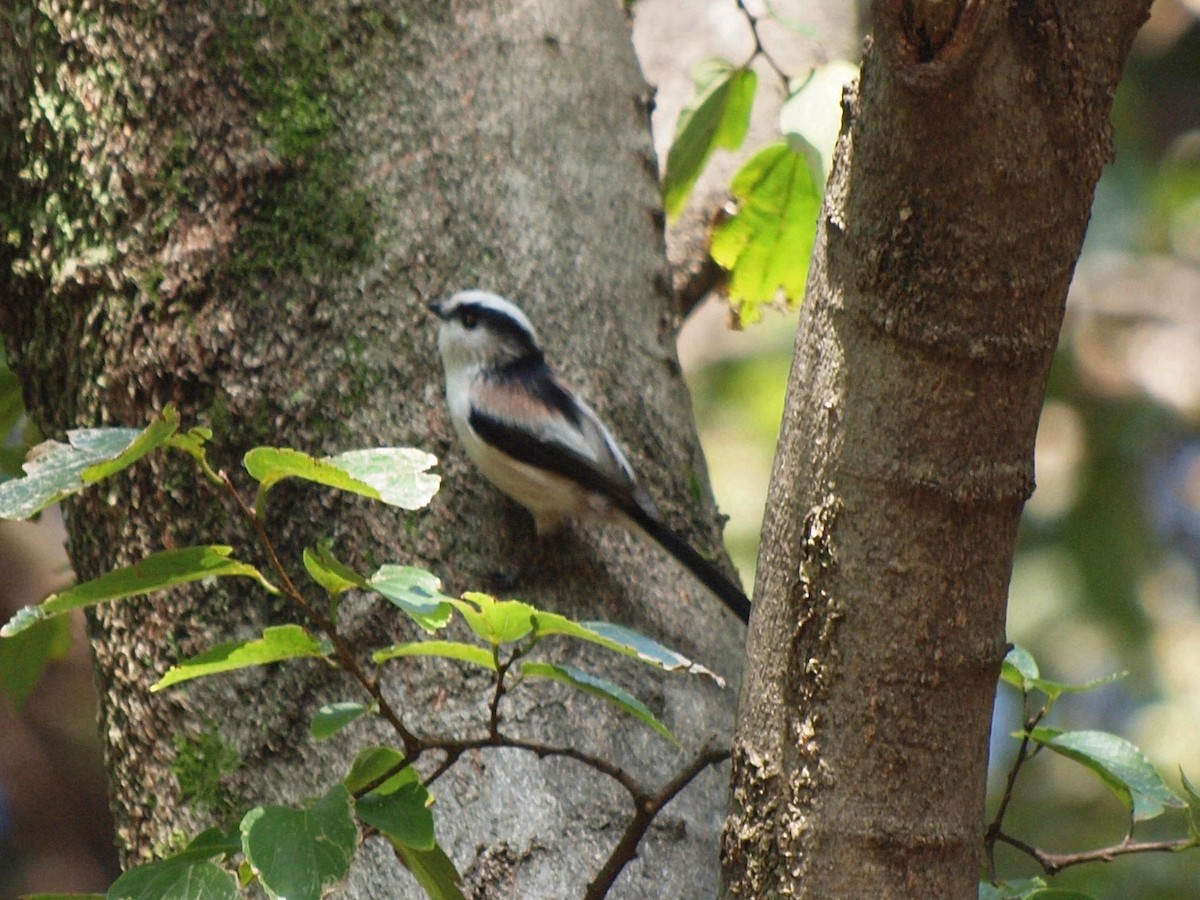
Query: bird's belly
[548, 496]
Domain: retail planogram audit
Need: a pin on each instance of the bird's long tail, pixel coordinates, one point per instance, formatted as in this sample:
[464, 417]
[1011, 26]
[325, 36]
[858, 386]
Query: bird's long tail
[708, 574]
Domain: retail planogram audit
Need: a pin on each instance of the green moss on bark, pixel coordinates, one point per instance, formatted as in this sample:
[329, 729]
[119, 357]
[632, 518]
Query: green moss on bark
[310, 215]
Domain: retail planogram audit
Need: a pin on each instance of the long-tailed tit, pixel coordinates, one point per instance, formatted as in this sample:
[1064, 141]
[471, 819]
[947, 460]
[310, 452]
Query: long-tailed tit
[535, 440]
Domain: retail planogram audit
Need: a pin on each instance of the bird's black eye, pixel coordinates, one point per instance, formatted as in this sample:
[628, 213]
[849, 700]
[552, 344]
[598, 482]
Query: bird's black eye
[469, 318]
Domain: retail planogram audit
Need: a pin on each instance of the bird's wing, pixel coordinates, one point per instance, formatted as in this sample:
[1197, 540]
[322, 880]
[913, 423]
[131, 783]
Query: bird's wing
[558, 433]
[544, 425]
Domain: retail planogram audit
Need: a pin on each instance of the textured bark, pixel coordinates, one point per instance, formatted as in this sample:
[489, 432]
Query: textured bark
[239, 208]
[951, 226]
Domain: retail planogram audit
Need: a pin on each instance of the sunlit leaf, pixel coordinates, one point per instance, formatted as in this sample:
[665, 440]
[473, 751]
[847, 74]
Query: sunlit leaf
[397, 476]
[329, 572]
[472, 653]
[620, 640]
[151, 438]
[718, 115]
[25, 655]
[155, 572]
[175, 879]
[299, 854]
[597, 687]
[766, 244]
[417, 592]
[496, 621]
[433, 870]
[55, 470]
[333, 717]
[277, 644]
[1119, 764]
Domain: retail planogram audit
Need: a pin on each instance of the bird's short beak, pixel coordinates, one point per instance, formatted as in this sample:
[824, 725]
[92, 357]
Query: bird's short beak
[435, 307]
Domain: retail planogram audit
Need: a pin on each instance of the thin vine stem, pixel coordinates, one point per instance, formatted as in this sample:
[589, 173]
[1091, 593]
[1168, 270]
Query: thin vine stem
[345, 656]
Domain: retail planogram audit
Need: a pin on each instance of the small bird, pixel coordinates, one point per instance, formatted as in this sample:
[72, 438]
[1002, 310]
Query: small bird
[539, 443]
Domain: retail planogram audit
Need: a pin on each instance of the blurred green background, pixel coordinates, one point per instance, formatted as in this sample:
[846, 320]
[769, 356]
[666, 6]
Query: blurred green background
[1107, 577]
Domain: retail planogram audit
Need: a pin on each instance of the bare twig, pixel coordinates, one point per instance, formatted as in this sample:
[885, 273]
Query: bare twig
[645, 809]
[1053, 863]
[1023, 754]
[759, 49]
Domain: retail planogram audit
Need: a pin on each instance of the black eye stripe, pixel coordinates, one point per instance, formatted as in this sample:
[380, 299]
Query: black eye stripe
[474, 314]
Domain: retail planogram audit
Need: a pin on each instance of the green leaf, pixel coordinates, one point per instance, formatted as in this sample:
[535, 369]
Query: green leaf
[417, 592]
[329, 572]
[1019, 668]
[276, 645]
[151, 438]
[399, 808]
[471, 653]
[496, 621]
[433, 870]
[155, 572]
[1021, 671]
[597, 687]
[1119, 764]
[767, 243]
[212, 842]
[62, 897]
[333, 717]
[55, 470]
[24, 656]
[192, 441]
[299, 854]
[621, 640]
[372, 764]
[175, 879]
[718, 115]
[397, 476]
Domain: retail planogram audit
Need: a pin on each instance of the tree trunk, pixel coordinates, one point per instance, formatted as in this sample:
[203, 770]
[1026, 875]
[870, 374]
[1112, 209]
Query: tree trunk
[239, 208]
[952, 221]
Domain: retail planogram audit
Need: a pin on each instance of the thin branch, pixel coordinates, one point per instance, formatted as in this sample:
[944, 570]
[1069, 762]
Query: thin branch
[456, 748]
[759, 49]
[994, 830]
[645, 810]
[1053, 863]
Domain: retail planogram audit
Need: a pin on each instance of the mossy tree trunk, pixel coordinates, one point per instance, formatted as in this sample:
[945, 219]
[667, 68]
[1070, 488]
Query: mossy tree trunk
[239, 208]
[952, 221]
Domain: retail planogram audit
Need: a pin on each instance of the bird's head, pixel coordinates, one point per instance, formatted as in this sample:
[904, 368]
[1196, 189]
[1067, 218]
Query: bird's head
[479, 328]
